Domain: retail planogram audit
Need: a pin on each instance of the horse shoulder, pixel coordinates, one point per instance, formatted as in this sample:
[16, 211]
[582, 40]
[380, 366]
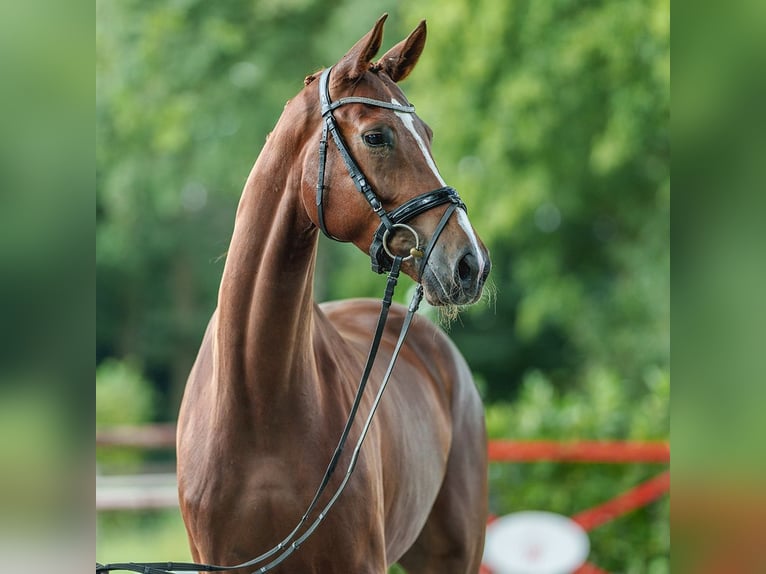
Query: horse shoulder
[427, 346]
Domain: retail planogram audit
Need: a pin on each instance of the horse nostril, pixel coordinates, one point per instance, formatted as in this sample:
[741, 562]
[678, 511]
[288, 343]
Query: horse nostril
[485, 273]
[467, 271]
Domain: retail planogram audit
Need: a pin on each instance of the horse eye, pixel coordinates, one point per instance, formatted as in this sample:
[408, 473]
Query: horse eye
[374, 139]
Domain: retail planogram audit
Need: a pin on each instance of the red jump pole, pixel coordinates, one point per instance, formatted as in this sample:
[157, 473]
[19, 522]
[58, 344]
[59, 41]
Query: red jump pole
[580, 451]
[637, 497]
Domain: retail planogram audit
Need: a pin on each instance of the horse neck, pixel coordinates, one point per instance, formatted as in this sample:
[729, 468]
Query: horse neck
[265, 303]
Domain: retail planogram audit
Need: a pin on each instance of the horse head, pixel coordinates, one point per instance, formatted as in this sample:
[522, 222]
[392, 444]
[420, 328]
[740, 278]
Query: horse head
[389, 150]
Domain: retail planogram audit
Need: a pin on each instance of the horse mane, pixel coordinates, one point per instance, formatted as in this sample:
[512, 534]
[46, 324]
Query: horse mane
[310, 78]
[374, 67]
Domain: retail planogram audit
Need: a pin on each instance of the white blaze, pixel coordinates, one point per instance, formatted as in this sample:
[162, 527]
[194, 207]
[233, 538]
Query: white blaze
[462, 218]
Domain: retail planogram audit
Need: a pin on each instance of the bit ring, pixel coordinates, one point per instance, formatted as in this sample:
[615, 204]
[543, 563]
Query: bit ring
[415, 251]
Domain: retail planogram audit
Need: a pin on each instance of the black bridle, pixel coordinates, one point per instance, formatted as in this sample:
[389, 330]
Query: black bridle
[380, 255]
[383, 259]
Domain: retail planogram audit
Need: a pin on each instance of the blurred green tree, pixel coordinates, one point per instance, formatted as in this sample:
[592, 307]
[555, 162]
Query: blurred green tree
[123, 397]
[552, 120]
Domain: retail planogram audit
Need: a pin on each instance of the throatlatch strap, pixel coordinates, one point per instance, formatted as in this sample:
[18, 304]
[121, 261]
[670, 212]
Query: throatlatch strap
[320, 182]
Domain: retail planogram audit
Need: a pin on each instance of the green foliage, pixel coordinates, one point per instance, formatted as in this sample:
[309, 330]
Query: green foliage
[552, 121]
[123, 397]
[142, 536]
[603, 409]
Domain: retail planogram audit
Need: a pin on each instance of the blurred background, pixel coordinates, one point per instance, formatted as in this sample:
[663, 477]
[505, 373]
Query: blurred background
[550, 118]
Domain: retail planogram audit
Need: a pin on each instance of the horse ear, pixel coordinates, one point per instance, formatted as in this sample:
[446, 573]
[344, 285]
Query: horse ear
[399, 61]
[357, 61]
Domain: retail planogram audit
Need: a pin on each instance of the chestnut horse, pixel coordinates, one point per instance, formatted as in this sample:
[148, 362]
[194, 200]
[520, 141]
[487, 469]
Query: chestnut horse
[276, 374]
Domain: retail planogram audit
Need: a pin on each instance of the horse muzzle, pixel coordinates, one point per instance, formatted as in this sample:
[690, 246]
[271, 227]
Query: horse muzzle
[456, 281]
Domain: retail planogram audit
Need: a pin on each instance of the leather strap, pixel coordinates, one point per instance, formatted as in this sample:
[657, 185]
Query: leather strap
[320, 182]
[431, 244]
[370, 102]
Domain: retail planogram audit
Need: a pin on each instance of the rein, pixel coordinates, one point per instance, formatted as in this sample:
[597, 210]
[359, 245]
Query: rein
[383, 259]
[290, 544]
